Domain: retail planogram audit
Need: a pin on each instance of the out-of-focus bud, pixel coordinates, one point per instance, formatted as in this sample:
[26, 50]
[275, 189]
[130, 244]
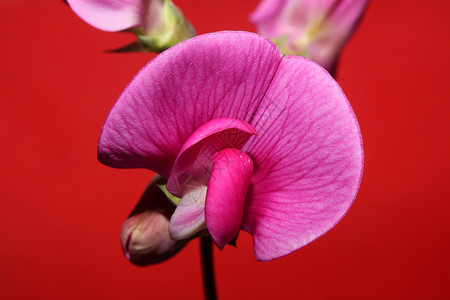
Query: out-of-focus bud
[158, 24]
[145, 233]
[316, 29]
[164, 26]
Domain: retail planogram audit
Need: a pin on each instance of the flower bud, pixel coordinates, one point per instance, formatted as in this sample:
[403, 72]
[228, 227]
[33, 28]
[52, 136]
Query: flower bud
[315, 29]
[145, 234]
[164, 26]
[158, 24]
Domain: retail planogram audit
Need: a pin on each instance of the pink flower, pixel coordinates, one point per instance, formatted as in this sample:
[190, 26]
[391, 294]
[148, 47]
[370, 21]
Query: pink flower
[248, 139]
[316, 29]
[158, 24]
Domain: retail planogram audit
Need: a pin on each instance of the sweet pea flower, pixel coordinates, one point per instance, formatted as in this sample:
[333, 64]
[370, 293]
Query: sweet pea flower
[247, 138]
[158, 24]
[316, 29]
[145, 233]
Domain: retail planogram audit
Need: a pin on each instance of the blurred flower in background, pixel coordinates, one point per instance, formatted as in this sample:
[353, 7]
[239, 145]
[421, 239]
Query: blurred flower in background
[157, 24]
[316, 29]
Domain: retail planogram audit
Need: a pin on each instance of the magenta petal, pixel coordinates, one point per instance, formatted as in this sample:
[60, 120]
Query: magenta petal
[195, 160]
[109, 15]
[225, 197]
[211, 76]
[308, 160]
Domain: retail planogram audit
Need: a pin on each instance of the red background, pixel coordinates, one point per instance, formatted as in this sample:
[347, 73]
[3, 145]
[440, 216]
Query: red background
[61, 210]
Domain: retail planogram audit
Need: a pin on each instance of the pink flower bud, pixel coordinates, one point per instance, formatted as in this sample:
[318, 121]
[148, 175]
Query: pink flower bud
[145, 234]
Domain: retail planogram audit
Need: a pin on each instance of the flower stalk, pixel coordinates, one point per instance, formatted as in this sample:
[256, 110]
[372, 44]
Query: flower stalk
[209, 282]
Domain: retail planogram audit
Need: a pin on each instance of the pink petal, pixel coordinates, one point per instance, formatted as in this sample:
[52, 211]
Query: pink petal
[189, 216]
[211, 76]
[308, 160]
[195, 160]
[266, 17]
[337, 30]
[109, 15]
[225, 197]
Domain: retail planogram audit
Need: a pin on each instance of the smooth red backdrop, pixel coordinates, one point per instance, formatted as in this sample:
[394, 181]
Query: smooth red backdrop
[61, 210]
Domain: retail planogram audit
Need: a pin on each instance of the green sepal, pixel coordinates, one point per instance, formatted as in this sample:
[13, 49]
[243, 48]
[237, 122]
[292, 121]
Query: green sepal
[172, 29]
[171, 197]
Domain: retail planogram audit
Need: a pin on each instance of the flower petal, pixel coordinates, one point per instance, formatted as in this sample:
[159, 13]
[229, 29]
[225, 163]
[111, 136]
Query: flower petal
[211, 76]
[189, 216]
[225, 197]
[195, 160]
[308, 160]
[265, 17]
[337, 29]
[109, 15]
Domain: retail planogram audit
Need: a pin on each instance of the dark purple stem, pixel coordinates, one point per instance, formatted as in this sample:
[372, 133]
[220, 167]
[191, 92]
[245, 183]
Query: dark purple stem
[208, 268]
